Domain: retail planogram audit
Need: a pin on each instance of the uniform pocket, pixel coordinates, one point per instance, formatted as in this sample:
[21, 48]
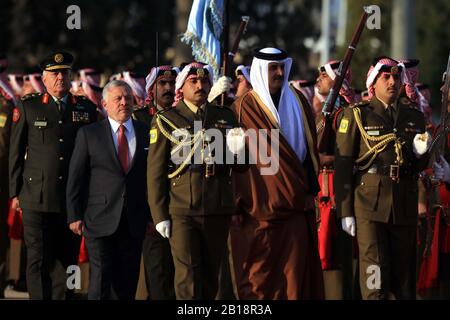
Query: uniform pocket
[180, 193]
[367, 192]
[32, 184]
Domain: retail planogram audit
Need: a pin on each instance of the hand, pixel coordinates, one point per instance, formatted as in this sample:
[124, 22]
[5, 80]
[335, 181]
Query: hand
[236, 140]
[421, 143]
[349, 225]
[163, 228]
[15, 205]
[222, 85]
[77, 227]
[442, 170]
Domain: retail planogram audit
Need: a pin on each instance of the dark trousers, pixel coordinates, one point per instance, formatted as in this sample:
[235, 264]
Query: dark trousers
[198, 244]
[159, 268]
[114, 264]
[4, 241]
[51, 248]
[392, 249]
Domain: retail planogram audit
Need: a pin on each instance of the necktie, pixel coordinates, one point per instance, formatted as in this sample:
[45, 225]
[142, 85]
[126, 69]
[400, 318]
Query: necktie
[391, 112]
[123, 149]
[60, 105]
[200, 113]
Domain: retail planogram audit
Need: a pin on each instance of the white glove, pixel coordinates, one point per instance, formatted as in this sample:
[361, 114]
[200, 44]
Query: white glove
[349, 225]
[442, 170]
[236, 140]
[163, 228]
[421, 143]
[221, 86]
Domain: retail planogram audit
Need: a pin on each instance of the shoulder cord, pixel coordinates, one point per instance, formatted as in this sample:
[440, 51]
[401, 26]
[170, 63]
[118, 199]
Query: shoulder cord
[381, 143]
[195, 141]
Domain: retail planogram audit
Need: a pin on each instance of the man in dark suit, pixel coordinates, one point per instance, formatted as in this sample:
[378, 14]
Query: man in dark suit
[43, 133]
[106, 195]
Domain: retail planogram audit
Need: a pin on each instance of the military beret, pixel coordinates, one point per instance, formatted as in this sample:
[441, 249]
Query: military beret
[56, 61]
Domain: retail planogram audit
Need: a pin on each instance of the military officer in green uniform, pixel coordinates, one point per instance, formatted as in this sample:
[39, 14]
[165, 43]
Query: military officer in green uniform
[158, 262]
[42, 140]
[381, 146]
[191, 197]
[160, 90]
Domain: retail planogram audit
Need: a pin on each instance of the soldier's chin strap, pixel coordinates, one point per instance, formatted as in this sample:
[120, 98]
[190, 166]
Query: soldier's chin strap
[194, 143]
[380, 143]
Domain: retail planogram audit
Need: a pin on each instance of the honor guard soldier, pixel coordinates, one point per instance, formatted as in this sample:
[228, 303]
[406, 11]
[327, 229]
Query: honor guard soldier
[158, 261]
[44, 126]
[160, 90]
[335, 246]
[381, 146]
[191, 198]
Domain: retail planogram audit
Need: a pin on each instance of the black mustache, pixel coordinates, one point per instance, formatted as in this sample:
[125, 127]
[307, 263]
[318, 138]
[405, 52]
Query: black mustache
[200, 91]
[168, 93]
[278, 78]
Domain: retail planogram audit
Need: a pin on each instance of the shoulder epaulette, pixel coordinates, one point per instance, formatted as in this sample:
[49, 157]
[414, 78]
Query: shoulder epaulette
[228, 108]
[409, 104]
[137, 107]
[415, 107]
[360, 104]
[165, 110]
[31, 95]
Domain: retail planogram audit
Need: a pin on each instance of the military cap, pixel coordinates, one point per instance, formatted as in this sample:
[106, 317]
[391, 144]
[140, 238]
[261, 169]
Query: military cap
[56, 61]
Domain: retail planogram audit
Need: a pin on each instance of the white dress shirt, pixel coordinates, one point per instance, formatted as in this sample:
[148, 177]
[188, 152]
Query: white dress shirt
[129, 133]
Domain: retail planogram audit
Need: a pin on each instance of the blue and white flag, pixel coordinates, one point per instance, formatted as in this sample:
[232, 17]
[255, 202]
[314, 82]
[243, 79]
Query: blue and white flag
[204, 30]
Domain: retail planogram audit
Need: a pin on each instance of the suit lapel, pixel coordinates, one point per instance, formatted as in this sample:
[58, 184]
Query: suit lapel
[110, 143]
[139, 143]
[380, 111]
[184, 111]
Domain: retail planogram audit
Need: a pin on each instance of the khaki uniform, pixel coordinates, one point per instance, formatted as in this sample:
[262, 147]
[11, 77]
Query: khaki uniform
[143, 114]
[339, 272]
[198, 207]
[157, 258]
[381, 193]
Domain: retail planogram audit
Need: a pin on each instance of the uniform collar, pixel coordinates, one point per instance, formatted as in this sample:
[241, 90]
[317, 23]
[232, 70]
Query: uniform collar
[63, 99]
[193, 107]
[385, 105]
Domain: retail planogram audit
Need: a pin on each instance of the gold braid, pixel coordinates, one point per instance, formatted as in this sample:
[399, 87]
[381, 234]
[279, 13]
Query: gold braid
[195, 141]
[381, 143]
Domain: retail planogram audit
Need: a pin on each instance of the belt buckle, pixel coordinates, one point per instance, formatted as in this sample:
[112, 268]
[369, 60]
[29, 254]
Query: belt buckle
[394, 172]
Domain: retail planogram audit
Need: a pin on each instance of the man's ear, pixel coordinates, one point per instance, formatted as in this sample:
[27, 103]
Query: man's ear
[44, 77]
[104, 104]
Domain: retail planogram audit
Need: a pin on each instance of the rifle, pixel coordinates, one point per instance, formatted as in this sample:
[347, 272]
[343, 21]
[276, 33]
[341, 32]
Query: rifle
[326, 143]
[437, 148]
[439, 143]
[234, 49]
[242, 29]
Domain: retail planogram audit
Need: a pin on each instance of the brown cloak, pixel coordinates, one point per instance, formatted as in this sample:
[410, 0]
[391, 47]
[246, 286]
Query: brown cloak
[275, 248]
